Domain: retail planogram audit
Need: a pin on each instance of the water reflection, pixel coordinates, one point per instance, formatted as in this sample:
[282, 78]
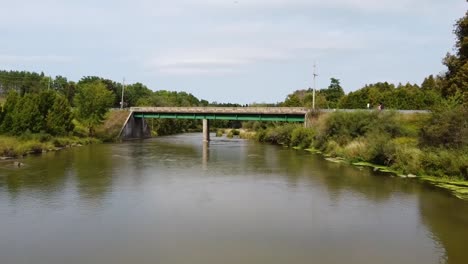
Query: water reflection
[205, 155]
[93, 168]
[441, 212]
[178, 200]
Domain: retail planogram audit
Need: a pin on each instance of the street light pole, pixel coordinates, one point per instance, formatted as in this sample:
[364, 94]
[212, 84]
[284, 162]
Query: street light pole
[313, 92]
[123, 88]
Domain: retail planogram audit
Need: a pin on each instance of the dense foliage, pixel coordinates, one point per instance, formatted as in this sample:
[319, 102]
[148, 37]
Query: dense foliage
[93, 100]
[417, 143]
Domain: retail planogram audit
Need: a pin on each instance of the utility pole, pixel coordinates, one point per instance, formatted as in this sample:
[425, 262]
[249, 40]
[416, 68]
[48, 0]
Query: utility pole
[123, 88]
[313, 92]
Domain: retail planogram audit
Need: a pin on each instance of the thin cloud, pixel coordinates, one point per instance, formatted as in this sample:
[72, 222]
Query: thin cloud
[11, 59]
[214, 60]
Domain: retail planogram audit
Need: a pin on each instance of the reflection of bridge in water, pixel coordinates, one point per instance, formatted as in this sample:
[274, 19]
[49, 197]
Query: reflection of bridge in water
[137, 127]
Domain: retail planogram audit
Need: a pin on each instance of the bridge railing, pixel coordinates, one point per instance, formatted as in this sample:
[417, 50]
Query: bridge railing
[223, 110]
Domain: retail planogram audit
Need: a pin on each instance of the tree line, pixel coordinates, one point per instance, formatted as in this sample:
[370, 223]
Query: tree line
[36, 103]
[450, 85]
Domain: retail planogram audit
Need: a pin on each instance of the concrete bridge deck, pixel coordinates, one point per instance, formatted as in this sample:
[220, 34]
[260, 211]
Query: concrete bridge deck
[136, 126]
[224, 110]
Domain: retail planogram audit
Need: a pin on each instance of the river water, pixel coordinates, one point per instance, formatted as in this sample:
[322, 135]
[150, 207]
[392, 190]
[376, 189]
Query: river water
[175, 200]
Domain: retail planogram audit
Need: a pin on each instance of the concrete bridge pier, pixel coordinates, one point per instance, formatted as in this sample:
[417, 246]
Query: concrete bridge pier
[206, 130]
[135, 128]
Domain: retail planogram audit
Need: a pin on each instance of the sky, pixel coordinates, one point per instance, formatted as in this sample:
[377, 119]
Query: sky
[242, 51]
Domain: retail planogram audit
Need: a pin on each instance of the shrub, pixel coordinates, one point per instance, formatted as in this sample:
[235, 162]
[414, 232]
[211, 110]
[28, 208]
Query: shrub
[280, 135]
[380, 150]
[333, 149]
[444, 162]
[302, 137]
[407, 159]
[219, 132]
[61, 142]
[448, 126]
[247, 135]
[357, 150]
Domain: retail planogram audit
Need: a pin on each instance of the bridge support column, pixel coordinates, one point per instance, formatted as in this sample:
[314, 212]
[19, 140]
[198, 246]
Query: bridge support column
[206, 130]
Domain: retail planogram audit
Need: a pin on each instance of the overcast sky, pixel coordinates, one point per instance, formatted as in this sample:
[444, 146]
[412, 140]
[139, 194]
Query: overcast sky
[230, 50]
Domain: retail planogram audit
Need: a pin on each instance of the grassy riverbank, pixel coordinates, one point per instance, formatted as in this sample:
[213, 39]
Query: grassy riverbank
[406, 145]
[14, 147]
[29, 143]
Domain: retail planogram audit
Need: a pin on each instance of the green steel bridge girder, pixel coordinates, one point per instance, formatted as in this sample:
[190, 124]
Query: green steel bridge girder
[213, 116]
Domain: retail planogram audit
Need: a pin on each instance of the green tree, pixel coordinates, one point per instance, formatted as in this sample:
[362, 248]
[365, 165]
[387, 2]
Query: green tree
[447, 127]
[60, 117]
[45, 99]
[456, 77]
[8, 111]
[333, 93]
[64, 87]
[27, 116]
[134, 92]
[93, 100]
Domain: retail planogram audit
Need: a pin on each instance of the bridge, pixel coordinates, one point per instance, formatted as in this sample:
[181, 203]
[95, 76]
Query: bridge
[136, 126]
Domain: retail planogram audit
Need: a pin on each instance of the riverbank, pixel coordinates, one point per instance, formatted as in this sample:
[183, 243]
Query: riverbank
[408, 146]
[454, 185]
[17, 147]
[12, 147]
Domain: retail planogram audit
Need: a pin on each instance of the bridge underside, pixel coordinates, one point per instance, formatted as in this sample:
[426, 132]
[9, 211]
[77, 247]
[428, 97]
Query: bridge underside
[219, 116]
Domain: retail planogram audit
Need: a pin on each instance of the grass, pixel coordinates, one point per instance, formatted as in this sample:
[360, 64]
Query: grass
[109, 130]
[13, 147]
[457, 187]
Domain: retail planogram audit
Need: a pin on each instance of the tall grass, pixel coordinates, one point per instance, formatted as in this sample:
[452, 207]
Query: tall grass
[34, 144]
[383, 138]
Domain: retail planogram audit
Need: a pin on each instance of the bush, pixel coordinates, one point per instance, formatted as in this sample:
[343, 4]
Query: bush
[381, 151]
[280, 135]
[61, 142]
[261, 135]
[219, 132]
[357, 150]
[333, 149]
[444, 162]
[448, 126]
[407, 158]
[302, 137]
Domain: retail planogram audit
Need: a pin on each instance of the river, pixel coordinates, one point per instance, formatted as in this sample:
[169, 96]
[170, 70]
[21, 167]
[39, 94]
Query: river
[175, 200]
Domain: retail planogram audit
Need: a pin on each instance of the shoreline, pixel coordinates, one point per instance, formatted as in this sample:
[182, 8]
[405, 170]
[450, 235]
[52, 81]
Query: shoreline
[454, 186]
[14, 148]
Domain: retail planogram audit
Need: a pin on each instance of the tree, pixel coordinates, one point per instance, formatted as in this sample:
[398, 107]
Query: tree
[333, 93]
[92, 101]
[8, 111]
[64, 87]
[26, 116]
[447, 126]
[456, 77]
[59, 118]
[134, 92]
[45, 99]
